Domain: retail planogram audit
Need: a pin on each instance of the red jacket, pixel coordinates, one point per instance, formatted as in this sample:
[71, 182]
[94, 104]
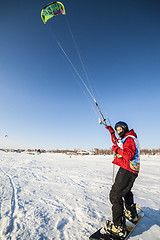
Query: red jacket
[127, 152]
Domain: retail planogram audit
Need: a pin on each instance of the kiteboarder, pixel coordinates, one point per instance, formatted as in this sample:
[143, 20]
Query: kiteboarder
[127, 157]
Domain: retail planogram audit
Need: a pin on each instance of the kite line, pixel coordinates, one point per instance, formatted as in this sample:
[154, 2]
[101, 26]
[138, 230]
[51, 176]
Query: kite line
[56, 8]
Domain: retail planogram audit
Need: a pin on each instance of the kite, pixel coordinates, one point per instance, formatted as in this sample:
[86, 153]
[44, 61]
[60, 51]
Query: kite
[51, 10]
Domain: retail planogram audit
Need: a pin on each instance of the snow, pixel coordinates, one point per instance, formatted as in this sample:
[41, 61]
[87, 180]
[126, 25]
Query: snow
[57, 196]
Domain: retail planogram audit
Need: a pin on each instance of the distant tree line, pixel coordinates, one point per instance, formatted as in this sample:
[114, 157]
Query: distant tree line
[143, 151]
[98, 151]
[150, 151]
[95, 151]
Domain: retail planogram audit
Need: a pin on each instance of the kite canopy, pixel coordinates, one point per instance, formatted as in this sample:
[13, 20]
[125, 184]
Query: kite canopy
[51, 10]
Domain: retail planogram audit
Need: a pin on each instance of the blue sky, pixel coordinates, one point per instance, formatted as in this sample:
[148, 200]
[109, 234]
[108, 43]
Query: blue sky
[42, 103]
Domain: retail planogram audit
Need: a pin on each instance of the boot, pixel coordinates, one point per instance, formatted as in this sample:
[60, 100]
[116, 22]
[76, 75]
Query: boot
[131, 213]
[116, 230]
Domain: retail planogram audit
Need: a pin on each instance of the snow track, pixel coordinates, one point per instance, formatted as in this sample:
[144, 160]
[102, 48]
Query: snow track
[9, 214]
[58, 197]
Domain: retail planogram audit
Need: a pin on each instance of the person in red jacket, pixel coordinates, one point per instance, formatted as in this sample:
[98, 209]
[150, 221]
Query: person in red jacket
[127, 157]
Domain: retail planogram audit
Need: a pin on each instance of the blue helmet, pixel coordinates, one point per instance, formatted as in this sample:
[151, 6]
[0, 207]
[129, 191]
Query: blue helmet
[123, 125]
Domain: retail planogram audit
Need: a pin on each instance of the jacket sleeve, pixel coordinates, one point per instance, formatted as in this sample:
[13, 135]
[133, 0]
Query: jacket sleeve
[112, 132]
[128, 150]
[113, 138]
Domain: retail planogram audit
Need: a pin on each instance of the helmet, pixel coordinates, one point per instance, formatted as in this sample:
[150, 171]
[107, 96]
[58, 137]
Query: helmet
[121, 124]
[124, 127]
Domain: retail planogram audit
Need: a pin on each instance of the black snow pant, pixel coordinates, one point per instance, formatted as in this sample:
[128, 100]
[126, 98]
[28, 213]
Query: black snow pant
[121, 190]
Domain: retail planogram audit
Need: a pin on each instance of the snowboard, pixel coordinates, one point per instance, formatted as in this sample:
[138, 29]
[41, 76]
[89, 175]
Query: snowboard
[101, 234]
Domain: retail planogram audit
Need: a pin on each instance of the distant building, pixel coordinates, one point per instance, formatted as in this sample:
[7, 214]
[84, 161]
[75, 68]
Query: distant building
[85, 152]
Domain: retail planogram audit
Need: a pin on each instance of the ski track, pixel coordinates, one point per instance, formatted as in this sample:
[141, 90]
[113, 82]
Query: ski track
[58, 197]
[10, 215]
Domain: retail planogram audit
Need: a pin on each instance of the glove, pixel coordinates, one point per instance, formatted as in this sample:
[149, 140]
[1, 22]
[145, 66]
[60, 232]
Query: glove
[115, 148]
[110, 129]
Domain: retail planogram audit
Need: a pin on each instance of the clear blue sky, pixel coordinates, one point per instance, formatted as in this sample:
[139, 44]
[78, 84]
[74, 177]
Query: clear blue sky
[42, 103]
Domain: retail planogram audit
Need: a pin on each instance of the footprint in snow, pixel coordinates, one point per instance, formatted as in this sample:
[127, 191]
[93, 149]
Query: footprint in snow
[61, 224]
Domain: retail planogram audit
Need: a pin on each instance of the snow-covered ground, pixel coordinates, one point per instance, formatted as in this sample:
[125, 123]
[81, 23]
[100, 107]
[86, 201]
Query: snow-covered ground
[55, 196]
